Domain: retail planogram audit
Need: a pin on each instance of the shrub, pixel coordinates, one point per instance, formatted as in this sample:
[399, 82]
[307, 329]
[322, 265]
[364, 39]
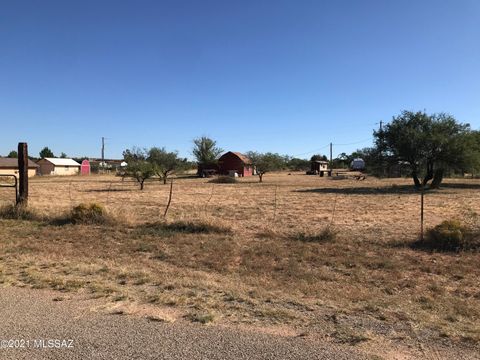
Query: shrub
[327, 234]
[202, 318]
[186, 227]
[89, 214]
[450, 235]
[17, 212]
[224, 180]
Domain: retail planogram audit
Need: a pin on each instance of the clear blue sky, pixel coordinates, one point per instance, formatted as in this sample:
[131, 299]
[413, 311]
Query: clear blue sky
[266, 75]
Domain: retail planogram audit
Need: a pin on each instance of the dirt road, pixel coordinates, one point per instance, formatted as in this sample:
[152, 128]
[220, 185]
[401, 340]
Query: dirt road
[42, 328]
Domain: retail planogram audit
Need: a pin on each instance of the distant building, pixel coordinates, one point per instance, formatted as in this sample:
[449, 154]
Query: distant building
[58, 166]
[9, 166]
[235, 162]
[357, 164]
[107, 165]
[319, 167]
[85, 167]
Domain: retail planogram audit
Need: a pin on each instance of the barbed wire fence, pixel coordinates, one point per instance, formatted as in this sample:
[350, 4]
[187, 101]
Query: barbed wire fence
[196, 200]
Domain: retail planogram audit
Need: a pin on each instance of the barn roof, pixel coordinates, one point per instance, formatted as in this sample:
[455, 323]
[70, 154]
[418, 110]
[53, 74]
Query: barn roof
[9, 163]
[242, 157]
[62, 162]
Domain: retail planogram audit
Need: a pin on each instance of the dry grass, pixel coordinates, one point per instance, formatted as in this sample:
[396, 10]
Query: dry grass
[17, 212]
[260, 254]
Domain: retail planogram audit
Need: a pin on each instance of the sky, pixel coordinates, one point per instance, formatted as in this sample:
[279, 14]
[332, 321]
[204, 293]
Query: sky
[265, 75]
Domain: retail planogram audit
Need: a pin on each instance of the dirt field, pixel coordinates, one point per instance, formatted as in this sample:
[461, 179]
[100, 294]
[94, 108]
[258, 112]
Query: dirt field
[249, 255]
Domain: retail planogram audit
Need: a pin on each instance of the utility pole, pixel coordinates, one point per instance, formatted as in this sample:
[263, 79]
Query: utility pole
[103, 150]
[331, 156]
[381, 125]
[103, 154]
[23, 174]
[331, 159]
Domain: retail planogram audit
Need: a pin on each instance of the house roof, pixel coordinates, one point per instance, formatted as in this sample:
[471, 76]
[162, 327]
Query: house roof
[62, 162]
[12, 163]
[320, 161]
[242, 157]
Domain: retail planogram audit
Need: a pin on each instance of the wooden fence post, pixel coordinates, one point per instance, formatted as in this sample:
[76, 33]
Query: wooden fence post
[421, 212]
[169, 198]
[23, 174]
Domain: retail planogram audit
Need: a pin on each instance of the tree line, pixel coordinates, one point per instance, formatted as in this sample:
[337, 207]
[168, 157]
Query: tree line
[143, 164]
[44, 153]
[425, 147]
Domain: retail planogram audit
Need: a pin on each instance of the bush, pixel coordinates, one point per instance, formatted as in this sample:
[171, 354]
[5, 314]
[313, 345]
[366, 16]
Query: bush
[450, 235]
[200, 318]
[327, 234]
[17, 212]
[186, 227]
[89, 214]
[224, 180]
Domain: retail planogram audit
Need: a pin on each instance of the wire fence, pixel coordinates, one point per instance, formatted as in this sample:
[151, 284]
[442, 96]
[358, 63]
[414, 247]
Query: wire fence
[341, 204]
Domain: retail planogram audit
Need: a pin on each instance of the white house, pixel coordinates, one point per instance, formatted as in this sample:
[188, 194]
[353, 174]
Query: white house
[58, 166]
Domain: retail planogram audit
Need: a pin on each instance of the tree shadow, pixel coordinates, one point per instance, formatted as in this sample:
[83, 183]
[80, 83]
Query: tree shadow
[472, 186]
[395, 189]
[364, 190]
[105, 190]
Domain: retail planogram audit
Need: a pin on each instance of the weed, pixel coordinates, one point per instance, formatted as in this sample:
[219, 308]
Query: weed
[346, 335]
[187, 227]
[17, 212]
[327, 234]
[92, 213]
[202, 318]
[450, 235]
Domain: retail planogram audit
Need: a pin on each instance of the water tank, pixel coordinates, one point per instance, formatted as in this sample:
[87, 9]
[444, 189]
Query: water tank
[357, 164]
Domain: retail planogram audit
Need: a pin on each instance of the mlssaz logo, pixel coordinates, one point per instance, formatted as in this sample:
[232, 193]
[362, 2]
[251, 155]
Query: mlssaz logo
[53, 344]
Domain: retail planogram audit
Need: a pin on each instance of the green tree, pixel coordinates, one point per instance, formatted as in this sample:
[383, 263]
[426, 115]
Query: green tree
[12, 154]
[138, 167]
[297, 164]
[266, 162]
[318, 157]
[376, 164]
[165, 162]
[46, 153]
[472, 162]
[427, 143]
[205, 151]
[342, 161]
[63, 155]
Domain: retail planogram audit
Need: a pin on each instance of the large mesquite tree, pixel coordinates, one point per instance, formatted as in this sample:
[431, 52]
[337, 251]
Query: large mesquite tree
[427, 143]
[165, 162]
[267, 162]
[138, 167]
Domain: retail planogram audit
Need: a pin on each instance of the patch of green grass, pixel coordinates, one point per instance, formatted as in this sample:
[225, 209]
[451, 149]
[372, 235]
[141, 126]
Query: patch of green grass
[202, 318]
[185, 227]
[344, 335]
[18, 212]
[327, 234]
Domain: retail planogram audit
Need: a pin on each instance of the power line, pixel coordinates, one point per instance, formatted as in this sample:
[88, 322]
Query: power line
[354, 143]
[312, 151]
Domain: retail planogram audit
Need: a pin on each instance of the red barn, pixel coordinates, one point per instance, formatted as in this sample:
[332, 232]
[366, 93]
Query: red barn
[232, 162]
